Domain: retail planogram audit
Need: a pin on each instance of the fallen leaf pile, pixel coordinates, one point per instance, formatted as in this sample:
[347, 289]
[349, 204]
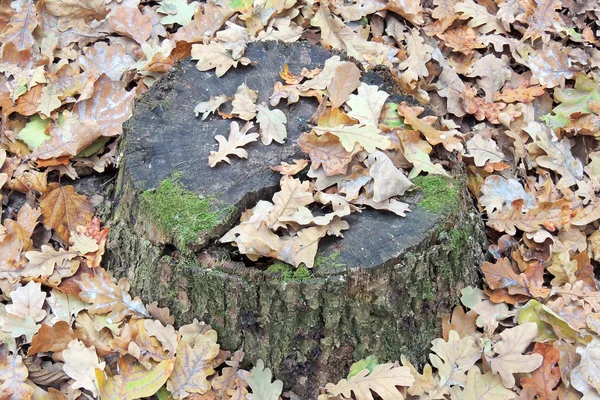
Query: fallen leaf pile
[519, 79]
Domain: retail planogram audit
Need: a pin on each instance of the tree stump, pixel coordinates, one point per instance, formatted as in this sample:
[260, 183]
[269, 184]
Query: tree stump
[381, 290]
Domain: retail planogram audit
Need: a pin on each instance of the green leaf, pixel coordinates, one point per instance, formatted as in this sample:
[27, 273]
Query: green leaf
[34, 132]
[575, 100]
[390, 116]
[94, 147]
[241, 5]
[366, 363]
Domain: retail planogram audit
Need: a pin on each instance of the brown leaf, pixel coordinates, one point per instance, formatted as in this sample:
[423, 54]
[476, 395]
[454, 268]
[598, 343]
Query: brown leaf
[130, 22]
[345, 81]
[109, 106]
[290, 169]
[161, 314]
[326, 150]
[544, 215]
[208, 19]
[449, 139]
[107, 297]
[52, 338]
[63, 209]
[193, 366]
[102, 58]
[84, 9]
[20, 26]
[547, 376]
[13, 374]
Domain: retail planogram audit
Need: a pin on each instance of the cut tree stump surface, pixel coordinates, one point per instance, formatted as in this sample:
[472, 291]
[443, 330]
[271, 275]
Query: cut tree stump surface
[380, 290]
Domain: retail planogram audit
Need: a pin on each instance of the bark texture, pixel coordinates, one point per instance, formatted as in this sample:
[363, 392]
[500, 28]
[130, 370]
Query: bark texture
[380, 290]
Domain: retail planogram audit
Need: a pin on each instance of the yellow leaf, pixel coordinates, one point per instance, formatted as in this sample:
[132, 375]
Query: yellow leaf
[134, 381]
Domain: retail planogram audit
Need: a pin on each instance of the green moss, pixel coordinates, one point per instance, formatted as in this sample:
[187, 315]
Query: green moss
[180, 212]
[330, 261]
[288, 273]
[439, 192]
[427, 291]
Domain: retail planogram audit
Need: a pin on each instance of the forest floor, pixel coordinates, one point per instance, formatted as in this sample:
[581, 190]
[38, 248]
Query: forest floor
[515, 86]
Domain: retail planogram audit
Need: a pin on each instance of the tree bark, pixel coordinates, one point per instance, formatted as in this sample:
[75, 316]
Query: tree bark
[381, 290]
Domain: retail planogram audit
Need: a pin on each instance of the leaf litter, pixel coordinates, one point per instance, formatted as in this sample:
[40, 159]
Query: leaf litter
[514, 84]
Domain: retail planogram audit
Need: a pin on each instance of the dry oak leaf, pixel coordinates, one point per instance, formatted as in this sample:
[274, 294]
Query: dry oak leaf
[345, 81]
[462, 39]
[13, 374]
[461, 322]
[482, 387]
[161, 314]
[272, 124]
[83, 9]
[27, 301]
[585, 377]
[134, 381]
[109, 107]
[551, 64]
[244, 103]
[166, 335]
[367, 136]
[521, 94]
[499, 192]
[259, 381]
[193, 366]
[42, 263]
[508, 358]
[388, 181]
[130, 22]
[502, 276]
[326, 150]
[232, 146]
[544, 215]
[64, 210]
[80, 364]
[211, 106]
[208, 19]
[19, 326]
[215, 55]
[229, 378]
[393, 205]
[480, 18]
[449, 139]
[293, 195]
[483, 150]
[547, 376]
[382, 380]
[52, 338]
[481, 108]
[366, 106]
[18, 29]
[110, 298]
[419, 53]
[290, 169]
[453, 358]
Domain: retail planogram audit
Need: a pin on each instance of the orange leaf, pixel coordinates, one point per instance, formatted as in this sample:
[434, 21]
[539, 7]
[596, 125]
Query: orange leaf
[52, 338]
[546, 377]
[63, 210]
